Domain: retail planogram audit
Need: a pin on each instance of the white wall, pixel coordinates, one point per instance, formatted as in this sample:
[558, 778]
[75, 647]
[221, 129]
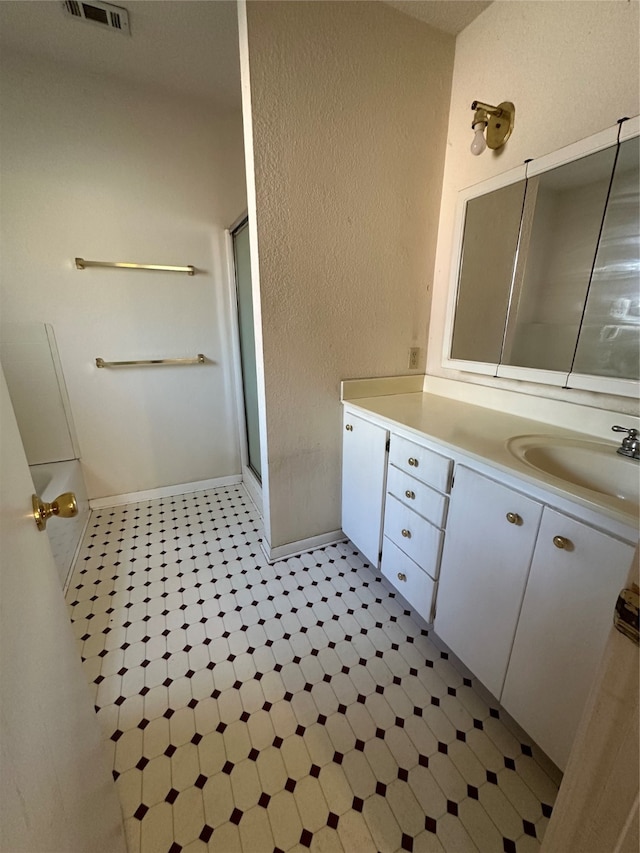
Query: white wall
[349, 109]
[571, 69]
[95, 168]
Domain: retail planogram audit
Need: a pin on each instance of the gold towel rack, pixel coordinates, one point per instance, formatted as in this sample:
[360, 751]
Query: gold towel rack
[199, 359]
[82, 264]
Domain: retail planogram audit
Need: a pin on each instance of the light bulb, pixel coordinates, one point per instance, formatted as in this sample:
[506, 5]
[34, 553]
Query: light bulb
[479, 142]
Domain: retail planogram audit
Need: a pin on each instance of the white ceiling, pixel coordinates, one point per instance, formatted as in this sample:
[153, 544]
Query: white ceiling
[189, 47]
[183, 46]
[452, 16]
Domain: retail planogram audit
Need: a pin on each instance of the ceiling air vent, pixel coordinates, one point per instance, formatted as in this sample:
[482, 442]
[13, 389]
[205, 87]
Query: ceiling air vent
[96, 12]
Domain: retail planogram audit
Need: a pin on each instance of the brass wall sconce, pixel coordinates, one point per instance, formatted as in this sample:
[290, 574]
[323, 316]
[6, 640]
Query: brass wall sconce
[498, 122]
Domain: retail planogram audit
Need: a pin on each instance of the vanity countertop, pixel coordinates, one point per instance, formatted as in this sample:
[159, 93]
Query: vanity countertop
[483, 435]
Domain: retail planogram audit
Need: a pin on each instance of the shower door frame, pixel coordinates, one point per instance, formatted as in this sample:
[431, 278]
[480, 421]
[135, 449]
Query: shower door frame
[249, 479]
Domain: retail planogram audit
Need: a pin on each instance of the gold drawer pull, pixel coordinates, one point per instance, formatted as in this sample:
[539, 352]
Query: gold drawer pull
[413, 462]
[514, 518]
[406, 533]
[409, 494]
[349, 428]
[563, 543]
[402, 576]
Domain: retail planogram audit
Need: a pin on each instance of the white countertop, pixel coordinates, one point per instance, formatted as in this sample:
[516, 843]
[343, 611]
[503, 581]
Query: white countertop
[483, 435]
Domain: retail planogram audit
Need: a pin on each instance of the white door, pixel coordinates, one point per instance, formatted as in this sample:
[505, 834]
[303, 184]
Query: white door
[483, 573]
[56, 795]
[364, 466]
[563, 628]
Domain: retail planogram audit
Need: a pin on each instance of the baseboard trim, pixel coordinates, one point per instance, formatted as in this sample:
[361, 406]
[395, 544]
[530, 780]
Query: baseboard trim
[253, 486]
[72, 567]
[293, 549]
[164, 492]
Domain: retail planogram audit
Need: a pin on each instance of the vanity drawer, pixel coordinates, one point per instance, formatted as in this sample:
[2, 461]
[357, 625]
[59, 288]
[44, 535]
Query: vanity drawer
[409, 579]
[412, 534]
[418, 497]
[423, 464]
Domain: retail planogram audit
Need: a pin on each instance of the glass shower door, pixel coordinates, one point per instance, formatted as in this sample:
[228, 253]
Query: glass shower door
[247, 344]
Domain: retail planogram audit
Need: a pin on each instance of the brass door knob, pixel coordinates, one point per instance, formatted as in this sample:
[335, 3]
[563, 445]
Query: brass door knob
[409, 494]
[402, 576]
[64, 506]
[406, 533]
[514, 518]
[349, 428]
[413, 462]
[563, 543]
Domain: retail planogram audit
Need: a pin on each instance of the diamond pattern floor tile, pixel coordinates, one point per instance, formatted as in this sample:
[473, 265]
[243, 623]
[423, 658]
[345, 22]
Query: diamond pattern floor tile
[296, 706]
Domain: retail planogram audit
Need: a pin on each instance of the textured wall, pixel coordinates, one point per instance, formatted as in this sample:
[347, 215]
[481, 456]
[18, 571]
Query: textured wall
[349, 105]
[571, 69]
[107, 171]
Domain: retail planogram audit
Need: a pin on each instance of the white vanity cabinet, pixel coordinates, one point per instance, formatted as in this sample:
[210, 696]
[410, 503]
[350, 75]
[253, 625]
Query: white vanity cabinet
[364, 472]
[526, 600]
[491, 532]
[520, 577]
[576, 575]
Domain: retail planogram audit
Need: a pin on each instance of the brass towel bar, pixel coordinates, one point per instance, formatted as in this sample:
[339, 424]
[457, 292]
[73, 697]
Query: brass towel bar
[82, 264]
[199, 359]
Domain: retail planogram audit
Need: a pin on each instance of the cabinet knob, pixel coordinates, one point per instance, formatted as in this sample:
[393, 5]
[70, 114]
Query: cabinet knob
[402, 576]
[409, 494]
[563, 543]
[514, 518]
[413, 462]
[349, 428]
[406, 533]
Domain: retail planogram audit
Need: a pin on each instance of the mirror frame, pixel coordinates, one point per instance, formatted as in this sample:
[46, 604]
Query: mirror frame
[611, 136]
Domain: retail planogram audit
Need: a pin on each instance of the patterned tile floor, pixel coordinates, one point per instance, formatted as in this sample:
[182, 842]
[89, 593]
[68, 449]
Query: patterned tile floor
[253, 707]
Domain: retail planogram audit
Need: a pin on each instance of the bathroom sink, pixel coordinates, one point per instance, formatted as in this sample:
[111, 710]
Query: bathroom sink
[592, 465]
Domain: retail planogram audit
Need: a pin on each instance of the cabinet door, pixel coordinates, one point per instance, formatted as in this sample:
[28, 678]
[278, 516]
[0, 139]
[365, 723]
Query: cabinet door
[364, 466]
[484, 570]
[566, 616]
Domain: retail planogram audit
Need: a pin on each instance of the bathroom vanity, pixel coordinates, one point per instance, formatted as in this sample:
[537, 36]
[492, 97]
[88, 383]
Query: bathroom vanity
[513, 536]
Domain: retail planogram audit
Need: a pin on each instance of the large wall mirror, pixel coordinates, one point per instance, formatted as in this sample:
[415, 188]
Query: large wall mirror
[546, 283]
